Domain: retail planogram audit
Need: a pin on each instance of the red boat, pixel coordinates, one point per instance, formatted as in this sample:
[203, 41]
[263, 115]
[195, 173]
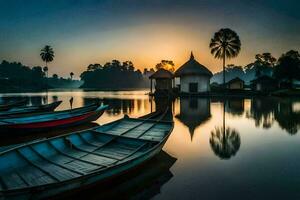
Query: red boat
[47, 121]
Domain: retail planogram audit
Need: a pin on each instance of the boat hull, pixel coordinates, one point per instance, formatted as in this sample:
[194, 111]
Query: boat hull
[25, 111]
[137, 150]
[49, 125]
[12, 105]
[60, 189]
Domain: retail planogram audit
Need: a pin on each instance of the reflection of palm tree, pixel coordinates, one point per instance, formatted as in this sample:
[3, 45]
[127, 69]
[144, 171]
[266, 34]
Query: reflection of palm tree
[225, 44]
[225, 142]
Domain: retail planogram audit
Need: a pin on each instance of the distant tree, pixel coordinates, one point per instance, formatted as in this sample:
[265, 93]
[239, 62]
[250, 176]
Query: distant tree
[55, 76]
[93, 67]
[123, 75]
[47, 54]
[234, 67]
[288, 67]
[166, 64]
[128, 65]
[264, 64]
[225, 44]
[71, 75]
[145, 71]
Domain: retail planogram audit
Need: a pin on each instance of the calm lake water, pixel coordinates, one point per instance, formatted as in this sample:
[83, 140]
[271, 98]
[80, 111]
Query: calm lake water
[259, 157]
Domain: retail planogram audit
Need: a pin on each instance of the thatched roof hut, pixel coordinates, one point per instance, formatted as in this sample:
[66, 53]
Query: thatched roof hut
[194, 77]
[192, 67]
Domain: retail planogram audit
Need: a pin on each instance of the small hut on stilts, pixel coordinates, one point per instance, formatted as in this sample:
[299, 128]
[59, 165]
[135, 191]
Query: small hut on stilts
[163, 83]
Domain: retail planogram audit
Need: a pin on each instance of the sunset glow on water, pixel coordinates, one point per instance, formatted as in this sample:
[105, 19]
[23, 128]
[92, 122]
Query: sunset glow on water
[263, 162]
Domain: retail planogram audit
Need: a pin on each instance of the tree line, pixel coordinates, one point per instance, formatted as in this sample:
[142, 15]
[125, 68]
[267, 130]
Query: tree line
[284, 69]
[15, 76]
[113, 75]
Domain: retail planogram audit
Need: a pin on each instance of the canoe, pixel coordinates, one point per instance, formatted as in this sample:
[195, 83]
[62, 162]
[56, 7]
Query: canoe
[145, 183]
[53, 120]
[61, 164]
[25, 110]
[10, 105]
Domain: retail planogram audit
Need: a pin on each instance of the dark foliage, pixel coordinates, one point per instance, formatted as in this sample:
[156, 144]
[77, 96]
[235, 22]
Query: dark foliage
[288, 67]
[166, 64]
[113, 75]
[264, 64]
[15, 76]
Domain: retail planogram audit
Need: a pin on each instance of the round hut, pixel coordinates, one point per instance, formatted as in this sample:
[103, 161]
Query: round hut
[194, 77]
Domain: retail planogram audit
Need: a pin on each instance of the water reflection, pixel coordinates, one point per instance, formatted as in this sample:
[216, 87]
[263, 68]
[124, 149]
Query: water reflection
[194, 112]
[253, 139]
[262, 111]
[225, 142]
[287, 118]
[143, 183]
[235, 106]
[267, 111]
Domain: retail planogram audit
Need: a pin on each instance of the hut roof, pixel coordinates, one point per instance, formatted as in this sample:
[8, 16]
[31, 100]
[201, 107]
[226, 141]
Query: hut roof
[162, 73]
[236, 79]
[192, 67]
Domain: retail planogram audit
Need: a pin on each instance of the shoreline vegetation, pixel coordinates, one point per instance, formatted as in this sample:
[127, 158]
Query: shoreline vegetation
[266, 76]
[15, 77]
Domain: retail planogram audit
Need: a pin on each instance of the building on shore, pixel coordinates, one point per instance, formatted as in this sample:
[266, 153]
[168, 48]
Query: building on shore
[194, 77]
[264, 84]
[235, 84]
[163, 81]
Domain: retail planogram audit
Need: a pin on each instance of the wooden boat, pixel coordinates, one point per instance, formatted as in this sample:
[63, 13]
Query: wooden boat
[48, 121]
[145, 183]
[52, 166]
[24, 110]
[10, 105]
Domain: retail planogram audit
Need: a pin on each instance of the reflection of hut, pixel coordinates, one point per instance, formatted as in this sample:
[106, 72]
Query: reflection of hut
[163, 80]
[235, 84]
[264, 83]
[235, 106]
[194, 77]
[193, 112]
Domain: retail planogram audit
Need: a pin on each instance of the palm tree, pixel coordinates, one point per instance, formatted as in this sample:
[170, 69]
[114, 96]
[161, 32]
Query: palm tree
[225, 141]
[71, 75]
[225, 44]
[45, 69]
[47, 55]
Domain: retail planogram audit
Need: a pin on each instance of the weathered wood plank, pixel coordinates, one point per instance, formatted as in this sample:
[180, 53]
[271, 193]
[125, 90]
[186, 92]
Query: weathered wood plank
[73, 156]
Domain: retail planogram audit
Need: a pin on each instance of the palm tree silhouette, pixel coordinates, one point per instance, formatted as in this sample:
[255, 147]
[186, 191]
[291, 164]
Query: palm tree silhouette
[45, 69]
[47, 55]
[71, 75]
[225, 44]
